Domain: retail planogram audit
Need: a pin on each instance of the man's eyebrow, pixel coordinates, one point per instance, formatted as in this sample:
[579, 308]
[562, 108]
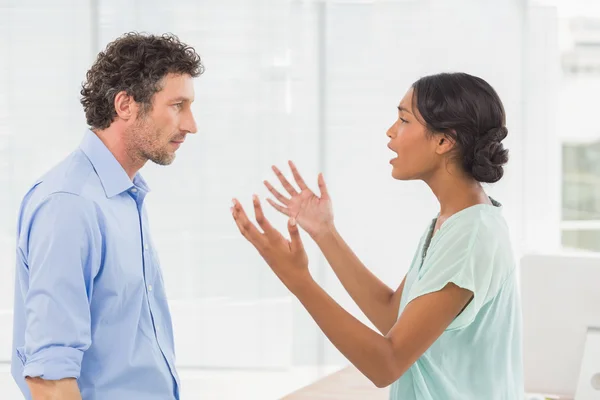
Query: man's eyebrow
[181, 98]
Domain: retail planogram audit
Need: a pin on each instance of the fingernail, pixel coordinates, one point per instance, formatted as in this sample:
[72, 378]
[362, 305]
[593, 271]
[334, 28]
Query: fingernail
[293, 221]
[254, 197]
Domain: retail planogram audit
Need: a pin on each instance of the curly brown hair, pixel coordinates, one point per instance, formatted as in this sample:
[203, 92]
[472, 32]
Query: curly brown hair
[135, 63]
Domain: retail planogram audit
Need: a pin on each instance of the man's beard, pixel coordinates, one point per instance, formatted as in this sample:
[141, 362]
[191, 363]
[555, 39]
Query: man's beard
[143, 142]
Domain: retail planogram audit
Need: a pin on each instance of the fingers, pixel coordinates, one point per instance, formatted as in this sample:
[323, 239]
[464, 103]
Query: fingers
[261, 220]
[295, 239]
[297, 177]
[284, 200]
[284, 182]
[278, 207]
[322, 187]
[247, 228]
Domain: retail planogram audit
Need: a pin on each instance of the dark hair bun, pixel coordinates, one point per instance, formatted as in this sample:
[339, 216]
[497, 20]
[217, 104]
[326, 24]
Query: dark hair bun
[489, 156]
[464, 107]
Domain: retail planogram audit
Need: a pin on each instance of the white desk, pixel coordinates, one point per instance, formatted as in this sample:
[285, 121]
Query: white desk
[350, 384]
[347, 384]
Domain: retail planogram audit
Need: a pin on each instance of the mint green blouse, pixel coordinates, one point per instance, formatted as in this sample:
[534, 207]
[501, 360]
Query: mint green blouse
[478, 356]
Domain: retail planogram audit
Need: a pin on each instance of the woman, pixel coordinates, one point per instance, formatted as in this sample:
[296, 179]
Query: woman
[452, 329]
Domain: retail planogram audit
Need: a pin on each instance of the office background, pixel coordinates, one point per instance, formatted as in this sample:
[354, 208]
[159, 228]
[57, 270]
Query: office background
[315, 81]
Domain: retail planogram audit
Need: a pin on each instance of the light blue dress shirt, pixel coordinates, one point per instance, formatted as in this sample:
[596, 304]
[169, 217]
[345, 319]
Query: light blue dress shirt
[89, 297]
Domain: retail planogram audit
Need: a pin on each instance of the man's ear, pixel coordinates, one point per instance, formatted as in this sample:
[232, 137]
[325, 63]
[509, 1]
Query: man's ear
[125, 106]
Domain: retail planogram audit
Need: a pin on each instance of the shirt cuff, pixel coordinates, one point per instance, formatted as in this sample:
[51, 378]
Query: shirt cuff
[52, 363]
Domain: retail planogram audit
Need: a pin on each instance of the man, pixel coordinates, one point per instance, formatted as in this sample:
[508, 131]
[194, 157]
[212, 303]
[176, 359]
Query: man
[91, 318]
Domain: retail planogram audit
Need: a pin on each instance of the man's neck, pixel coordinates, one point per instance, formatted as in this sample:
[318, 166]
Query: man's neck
[115, 144]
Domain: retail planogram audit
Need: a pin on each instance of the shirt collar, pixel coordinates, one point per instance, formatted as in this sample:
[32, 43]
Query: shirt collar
[113, 177]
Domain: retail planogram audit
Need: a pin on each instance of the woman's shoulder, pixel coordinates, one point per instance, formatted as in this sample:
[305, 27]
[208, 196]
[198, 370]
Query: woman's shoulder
[478, 221]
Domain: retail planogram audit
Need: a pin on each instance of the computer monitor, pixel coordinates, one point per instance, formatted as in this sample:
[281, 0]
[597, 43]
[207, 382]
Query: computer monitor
[561, 324]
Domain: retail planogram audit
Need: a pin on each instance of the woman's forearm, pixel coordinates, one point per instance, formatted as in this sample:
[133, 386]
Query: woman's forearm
[372, 296]
[367, 350]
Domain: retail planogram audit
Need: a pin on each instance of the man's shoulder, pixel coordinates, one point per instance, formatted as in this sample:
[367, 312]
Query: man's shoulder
[72, 175]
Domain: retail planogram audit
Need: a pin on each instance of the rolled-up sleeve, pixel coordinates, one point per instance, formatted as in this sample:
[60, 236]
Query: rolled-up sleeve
[63, 255]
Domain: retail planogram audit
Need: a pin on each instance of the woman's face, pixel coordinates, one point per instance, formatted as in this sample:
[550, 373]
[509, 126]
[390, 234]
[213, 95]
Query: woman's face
[416, 151]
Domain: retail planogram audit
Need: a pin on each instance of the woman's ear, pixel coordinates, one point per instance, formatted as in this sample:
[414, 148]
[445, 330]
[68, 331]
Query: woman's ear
[445, 144]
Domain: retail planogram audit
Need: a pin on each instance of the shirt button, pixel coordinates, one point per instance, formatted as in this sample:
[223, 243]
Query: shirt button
[149, 288]
[134, 190]
[146, 247]
[157, 328]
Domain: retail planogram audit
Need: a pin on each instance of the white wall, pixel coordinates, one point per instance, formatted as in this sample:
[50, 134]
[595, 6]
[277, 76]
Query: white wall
[541, 156]
[578, 110]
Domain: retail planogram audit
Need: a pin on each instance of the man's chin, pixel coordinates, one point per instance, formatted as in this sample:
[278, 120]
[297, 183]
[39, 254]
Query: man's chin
[166, 159]
[164, 162]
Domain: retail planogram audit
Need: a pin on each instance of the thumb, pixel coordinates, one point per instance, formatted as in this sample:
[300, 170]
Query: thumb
[322, 187]
[295, 239]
